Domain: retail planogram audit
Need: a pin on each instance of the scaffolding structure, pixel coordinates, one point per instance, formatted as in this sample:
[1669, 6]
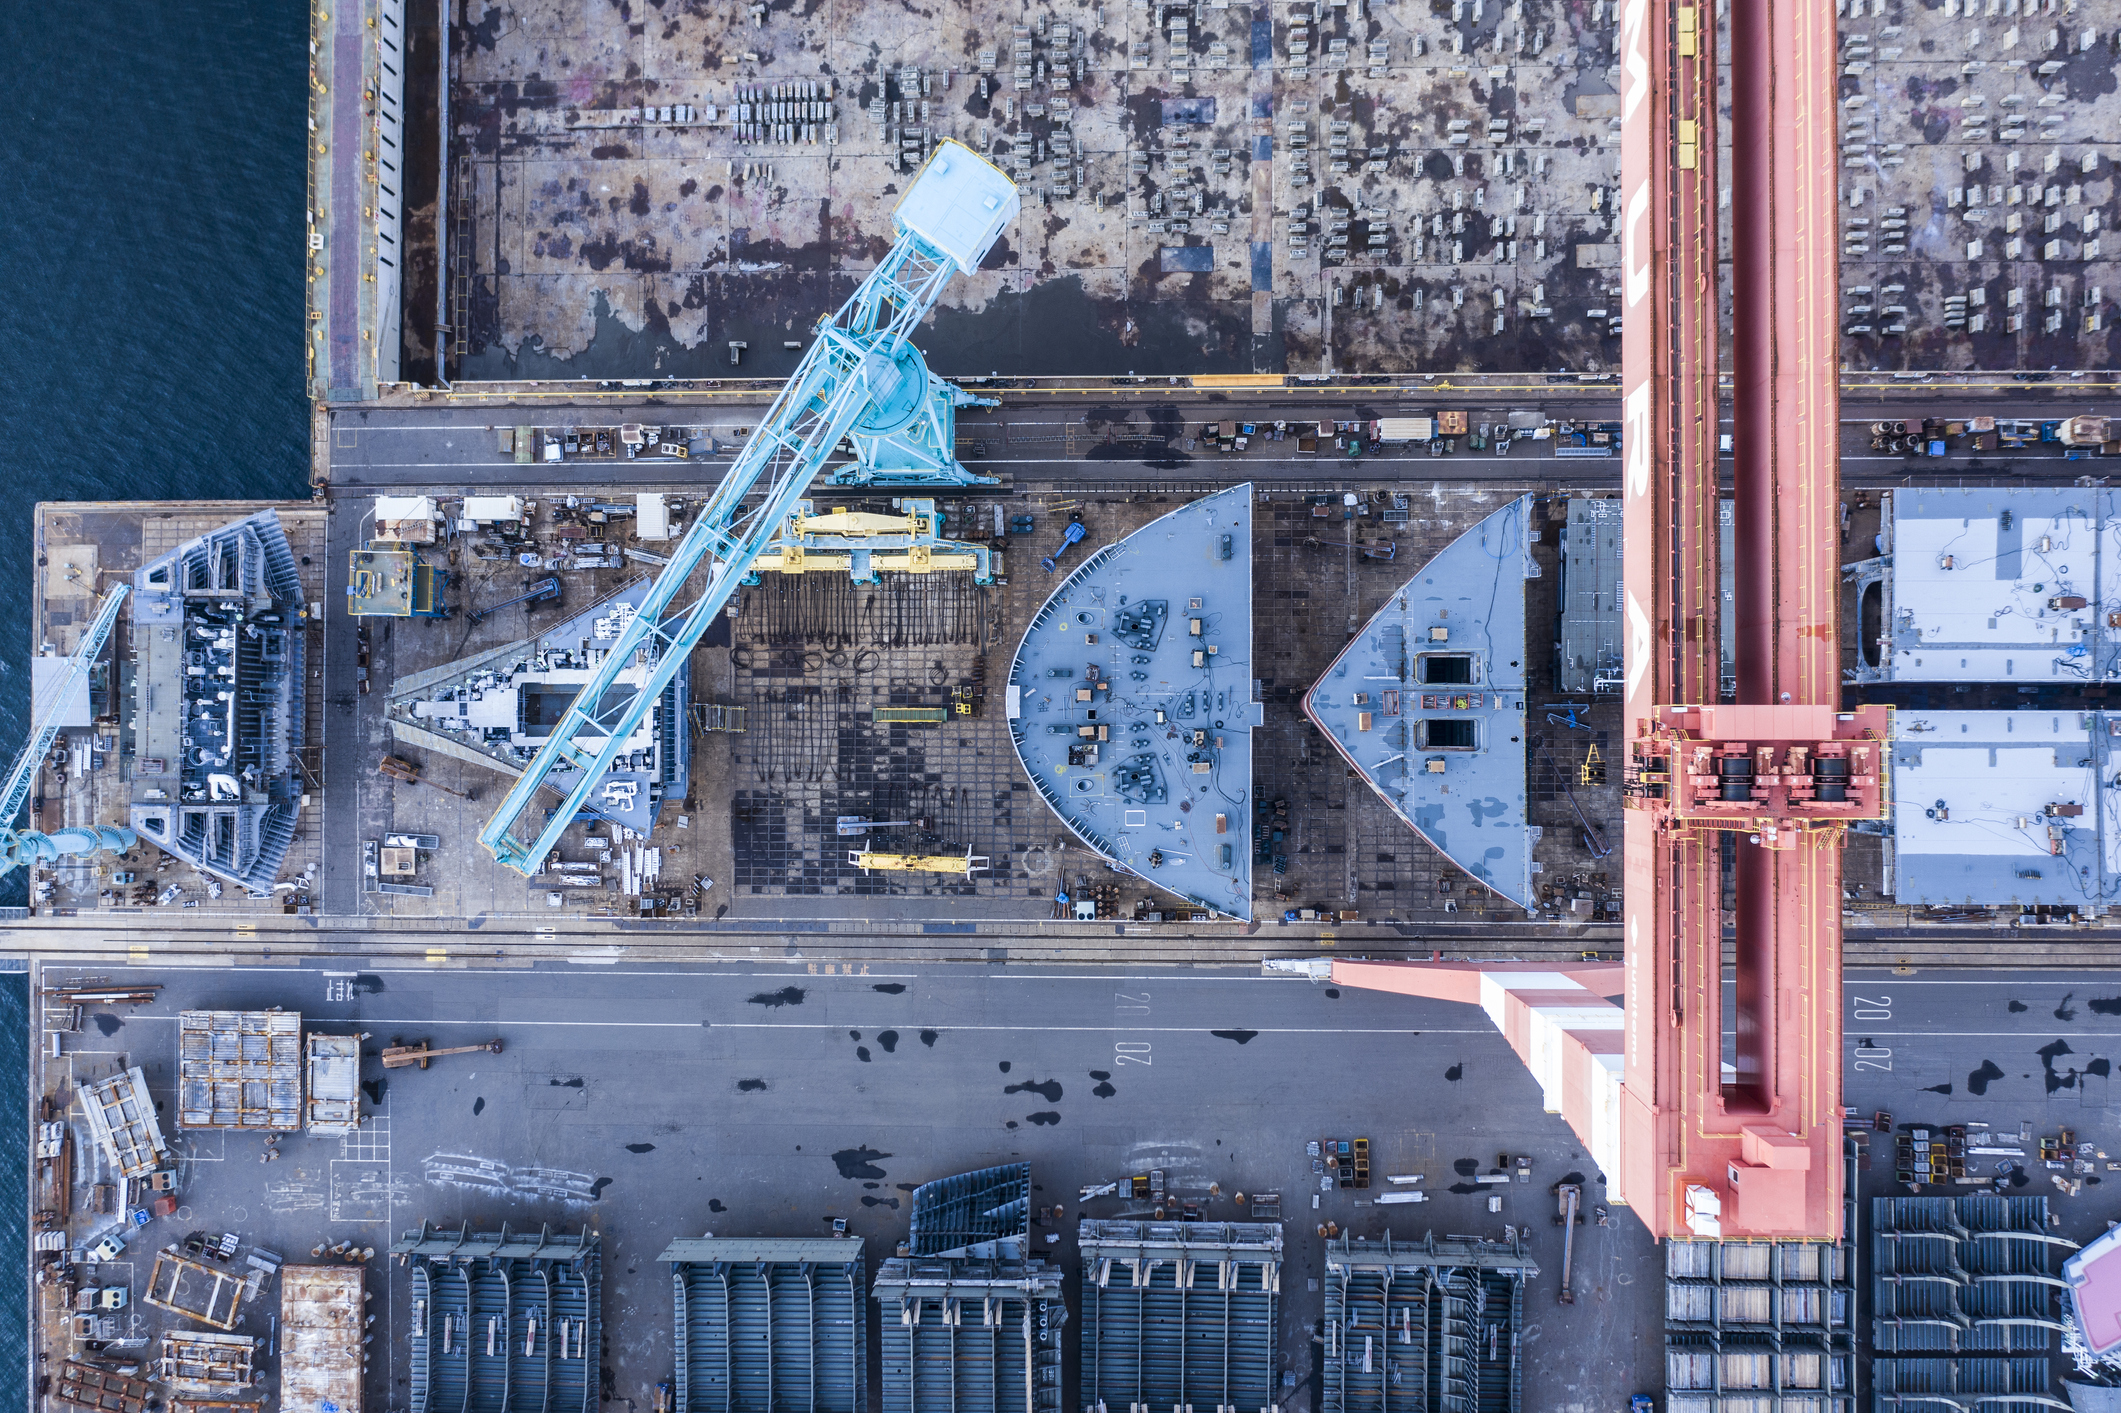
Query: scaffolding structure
[334, 1084]
[766, 1324]
[1180, 1314]
[504, 1322]
[207, 1363]
[1428, 1326]
[239, 1069]
[197, 1291]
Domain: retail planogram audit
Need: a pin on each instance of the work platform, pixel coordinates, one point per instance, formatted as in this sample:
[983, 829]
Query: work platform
[556, 1136]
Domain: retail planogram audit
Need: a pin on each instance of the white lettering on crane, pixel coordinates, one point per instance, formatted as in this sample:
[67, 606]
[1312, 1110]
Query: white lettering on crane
[1635, 243]
[1638, 644]
[1635, 65]
[1634, 1015]
[1635, 434]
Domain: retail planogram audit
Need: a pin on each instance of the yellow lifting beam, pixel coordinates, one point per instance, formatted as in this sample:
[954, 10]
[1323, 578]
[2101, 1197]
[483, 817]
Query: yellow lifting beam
[961, 864]
[865, 544]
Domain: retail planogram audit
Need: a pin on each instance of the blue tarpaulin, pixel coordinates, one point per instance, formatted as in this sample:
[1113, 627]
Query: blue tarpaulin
[1199, 111]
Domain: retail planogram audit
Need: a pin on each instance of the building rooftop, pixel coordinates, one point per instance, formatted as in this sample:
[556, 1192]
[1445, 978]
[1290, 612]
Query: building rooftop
[390, 580]
[1427, 702]
[1131, 701]
[1989, 584]
[1589, 651]
[2094, 1279]
[1994, 807]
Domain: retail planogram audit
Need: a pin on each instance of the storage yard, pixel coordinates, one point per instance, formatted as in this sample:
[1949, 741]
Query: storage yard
[1368, 187]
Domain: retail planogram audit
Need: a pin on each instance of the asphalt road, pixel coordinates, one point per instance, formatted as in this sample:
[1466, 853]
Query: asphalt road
[2017, 1052]
[452, 449]
[769, 1099]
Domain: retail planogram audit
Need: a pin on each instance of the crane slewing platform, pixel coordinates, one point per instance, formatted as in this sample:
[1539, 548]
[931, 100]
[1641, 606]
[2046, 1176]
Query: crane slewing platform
[863, 380]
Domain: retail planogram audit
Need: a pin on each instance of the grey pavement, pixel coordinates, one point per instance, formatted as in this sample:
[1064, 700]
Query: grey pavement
[767, 1099]
[2008, 1049]
[453, 448]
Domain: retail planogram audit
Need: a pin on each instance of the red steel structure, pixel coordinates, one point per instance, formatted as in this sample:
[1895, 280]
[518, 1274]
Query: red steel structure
[1714, 1138]
[1744, 1143]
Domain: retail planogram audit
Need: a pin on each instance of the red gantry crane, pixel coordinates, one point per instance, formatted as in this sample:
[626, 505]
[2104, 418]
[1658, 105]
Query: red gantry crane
[1707, 1137]
[1744, 1143]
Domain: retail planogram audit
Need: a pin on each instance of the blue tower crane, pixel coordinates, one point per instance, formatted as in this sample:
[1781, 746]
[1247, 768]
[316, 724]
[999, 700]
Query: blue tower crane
[861, 379]
[19, 847]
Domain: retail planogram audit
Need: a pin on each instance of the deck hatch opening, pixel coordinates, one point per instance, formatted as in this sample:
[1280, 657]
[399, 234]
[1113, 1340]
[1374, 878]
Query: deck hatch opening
[1444, 669]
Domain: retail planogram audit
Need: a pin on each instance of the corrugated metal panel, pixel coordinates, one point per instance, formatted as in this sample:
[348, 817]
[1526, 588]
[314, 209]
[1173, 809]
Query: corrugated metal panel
[502, 1322]
[971, 1335]
[1180, 1314]
[766, 1325]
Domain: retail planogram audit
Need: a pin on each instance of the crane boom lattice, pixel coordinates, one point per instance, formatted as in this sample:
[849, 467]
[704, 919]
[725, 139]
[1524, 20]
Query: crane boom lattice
[861, 377]
[18, 847]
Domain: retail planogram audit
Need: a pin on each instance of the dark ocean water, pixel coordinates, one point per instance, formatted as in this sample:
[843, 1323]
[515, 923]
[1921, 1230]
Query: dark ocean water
[14, 1173]
[151, 241]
